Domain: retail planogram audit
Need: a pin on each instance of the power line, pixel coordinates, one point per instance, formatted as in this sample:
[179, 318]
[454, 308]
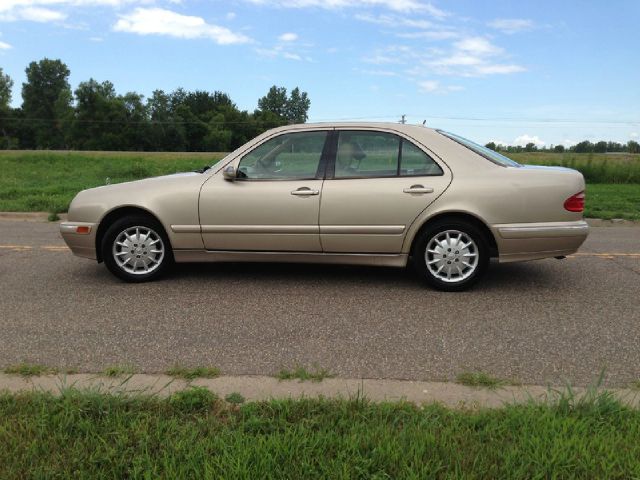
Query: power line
[328, 119]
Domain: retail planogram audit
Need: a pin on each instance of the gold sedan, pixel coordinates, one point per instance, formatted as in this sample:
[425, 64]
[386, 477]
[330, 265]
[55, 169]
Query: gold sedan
[365, 194]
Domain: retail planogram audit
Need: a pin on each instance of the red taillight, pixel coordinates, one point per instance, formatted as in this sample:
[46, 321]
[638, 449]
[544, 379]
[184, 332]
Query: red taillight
[575, 203]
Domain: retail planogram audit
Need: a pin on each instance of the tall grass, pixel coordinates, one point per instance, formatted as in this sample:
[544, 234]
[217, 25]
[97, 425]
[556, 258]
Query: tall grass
[596, 168]
[194, 434]
[48, 181]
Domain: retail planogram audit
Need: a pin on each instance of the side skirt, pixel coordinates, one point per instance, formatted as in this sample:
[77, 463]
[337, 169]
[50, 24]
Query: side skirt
[381, 260]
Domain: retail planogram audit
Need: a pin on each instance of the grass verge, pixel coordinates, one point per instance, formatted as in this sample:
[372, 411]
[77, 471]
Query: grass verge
[195, 434]
[613, 201]
[191, 373]
[303, 375]
[483, 380]
[29, 370]
[119, 370]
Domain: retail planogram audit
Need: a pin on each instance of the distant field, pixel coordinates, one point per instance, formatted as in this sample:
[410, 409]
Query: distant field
[596, 167]
[32, 181]
[48, 180]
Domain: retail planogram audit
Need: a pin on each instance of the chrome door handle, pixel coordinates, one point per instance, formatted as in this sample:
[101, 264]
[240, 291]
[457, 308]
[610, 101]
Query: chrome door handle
[418, 189]
[305, 191]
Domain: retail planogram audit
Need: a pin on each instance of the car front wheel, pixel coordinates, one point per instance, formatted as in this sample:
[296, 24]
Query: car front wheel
[136, 249]
[451, 255]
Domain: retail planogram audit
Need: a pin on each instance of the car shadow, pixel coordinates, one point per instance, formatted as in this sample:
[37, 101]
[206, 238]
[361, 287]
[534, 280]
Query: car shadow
[498, 276]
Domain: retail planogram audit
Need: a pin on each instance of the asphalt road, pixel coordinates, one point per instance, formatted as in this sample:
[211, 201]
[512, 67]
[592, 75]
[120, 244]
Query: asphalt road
[538, 322]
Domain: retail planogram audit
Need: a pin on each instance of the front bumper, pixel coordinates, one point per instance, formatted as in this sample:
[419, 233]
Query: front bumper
[531, 241]
[80, 237]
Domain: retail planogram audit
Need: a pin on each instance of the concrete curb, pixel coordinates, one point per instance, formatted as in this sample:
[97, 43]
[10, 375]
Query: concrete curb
[30, 216]
[256, 388]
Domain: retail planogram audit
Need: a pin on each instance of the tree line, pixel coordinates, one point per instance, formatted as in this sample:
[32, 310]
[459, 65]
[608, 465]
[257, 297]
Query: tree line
[95, 117]
[582, 147]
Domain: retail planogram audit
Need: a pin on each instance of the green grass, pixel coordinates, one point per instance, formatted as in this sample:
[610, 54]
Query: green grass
[234, 398]
[48, 180]
[191, 373]
[613, 201]
[596, 167]
[481, 379]
[194, 434]
[303, 375]
[29, 370]
[119, 370]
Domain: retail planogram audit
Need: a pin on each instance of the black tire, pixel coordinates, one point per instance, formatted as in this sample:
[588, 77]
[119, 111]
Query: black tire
[131, 221]
[458, 282]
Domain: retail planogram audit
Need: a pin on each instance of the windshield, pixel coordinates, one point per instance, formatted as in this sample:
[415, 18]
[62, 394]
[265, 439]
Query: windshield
[487, 153]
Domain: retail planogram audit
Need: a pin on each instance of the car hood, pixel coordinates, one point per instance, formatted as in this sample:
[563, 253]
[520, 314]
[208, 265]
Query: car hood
[548, 168]
[134, 184]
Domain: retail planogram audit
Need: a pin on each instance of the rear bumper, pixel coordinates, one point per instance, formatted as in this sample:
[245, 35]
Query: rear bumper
[81, 244]
[531, 241]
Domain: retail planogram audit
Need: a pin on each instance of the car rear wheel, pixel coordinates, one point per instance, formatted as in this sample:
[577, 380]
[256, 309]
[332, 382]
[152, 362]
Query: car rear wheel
[451, 255]
[136, 249]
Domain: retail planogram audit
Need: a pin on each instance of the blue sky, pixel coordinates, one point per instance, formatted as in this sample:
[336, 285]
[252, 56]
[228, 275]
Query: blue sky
[510, 71]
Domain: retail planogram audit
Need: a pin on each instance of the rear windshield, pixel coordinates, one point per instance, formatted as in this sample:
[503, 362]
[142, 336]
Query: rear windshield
[487, 153]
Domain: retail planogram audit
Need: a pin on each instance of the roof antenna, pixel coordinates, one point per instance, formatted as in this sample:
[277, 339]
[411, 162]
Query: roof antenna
[403, 120]
[424, 123]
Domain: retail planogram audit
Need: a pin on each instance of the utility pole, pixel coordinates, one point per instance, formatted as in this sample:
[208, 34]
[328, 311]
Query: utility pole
[403, 120]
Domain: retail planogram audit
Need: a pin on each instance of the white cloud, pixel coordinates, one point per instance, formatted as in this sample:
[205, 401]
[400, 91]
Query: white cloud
[288, 37]
[472, 57]
[634, 135]
[52, 10]
[499, 69]
[433, 86]
[431, 35]
[425, 29]
[477, 46]
[379, 73]
[292, 56]
[395, 5]
[5, 46]
[511, 25]
[522, 140]
[158, 21]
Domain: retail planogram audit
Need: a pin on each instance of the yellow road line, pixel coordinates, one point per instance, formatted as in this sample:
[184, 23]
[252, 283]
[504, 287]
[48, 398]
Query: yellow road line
[63, 248]
[606, 255]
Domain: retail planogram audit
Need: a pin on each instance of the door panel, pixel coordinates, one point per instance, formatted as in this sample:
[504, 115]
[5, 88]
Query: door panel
[356, 212]
[372, 215]
[274, 203]
[260, 215]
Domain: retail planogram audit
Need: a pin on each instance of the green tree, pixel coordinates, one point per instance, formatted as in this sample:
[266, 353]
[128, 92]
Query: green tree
[491, 146]
[275, 101]
[6, 84]
[583, 147]
[633, 146]
[298, 106]
[558, 148]
[46, 87]
[530, 147]
[290, 109]
[600, 147]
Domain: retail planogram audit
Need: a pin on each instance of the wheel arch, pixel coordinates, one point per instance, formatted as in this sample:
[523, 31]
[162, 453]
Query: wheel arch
[459, 215]
[117, 213]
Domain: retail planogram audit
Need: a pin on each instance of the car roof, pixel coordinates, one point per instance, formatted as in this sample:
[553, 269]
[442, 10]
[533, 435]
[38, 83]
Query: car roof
[408, 129]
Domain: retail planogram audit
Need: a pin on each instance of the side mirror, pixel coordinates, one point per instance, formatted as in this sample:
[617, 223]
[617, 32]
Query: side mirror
[229, 173]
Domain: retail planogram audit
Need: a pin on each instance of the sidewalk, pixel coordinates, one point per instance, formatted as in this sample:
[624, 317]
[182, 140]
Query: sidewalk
[255, 388]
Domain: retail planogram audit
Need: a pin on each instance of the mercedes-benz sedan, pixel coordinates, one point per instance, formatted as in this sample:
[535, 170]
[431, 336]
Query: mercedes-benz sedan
[365, 194]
